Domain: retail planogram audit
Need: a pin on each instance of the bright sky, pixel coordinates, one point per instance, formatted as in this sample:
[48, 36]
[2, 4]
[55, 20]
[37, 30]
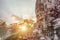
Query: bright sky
[21, 8]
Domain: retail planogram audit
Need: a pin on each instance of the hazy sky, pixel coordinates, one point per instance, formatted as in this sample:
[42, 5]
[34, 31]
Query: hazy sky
[20, 8]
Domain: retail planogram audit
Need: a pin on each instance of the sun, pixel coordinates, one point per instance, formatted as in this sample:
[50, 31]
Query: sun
[23, 28]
